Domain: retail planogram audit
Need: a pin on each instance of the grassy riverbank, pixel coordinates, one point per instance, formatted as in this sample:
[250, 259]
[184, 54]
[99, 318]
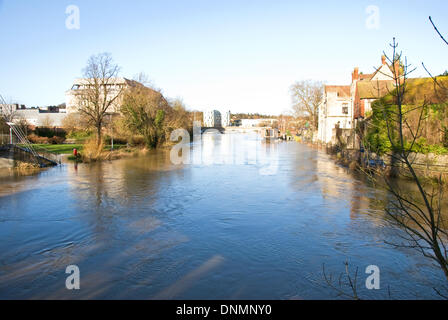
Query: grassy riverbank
[68, 148]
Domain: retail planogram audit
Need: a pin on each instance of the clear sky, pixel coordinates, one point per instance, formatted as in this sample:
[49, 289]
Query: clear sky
[237, 55]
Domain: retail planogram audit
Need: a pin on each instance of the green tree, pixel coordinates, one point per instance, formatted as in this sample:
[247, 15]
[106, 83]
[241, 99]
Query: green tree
[144, 112]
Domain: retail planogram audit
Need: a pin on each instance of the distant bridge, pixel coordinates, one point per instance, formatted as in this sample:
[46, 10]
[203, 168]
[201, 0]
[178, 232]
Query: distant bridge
[265, 132]
[220, 129]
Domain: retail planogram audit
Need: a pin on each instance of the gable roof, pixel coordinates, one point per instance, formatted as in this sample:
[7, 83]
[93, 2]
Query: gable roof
[342, 91]
[388, 68]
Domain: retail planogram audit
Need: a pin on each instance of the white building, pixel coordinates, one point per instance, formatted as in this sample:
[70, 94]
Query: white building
[225, 119]
[212, 119]
[343, 105]
[40, 118]
[73, 95]
[10, 109]
[335, 110]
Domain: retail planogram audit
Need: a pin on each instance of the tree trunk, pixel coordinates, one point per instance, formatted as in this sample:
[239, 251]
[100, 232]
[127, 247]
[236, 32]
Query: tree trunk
[98, 133]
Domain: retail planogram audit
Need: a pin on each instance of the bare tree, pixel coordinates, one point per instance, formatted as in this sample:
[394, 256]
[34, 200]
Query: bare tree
[99, 91]
[47, 122]
[418, 214]
[8, 111]
[307, 96]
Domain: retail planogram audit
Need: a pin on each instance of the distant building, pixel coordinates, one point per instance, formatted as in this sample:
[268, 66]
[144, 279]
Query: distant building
[212, 119]
[335, 111]
[10, 108]
[40, 118]
[73, 95]
[225, 120]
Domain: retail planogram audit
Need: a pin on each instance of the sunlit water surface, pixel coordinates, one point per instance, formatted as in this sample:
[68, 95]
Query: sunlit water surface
[244, 221]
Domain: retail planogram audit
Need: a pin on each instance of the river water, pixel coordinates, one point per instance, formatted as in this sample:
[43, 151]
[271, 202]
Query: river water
[243, 220]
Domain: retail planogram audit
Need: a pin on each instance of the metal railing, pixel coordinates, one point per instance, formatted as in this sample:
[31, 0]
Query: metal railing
[40, 154]
[18, 139]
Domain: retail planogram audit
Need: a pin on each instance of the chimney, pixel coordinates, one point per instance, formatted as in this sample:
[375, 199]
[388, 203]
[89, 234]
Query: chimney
[355, 74]
[383, 60]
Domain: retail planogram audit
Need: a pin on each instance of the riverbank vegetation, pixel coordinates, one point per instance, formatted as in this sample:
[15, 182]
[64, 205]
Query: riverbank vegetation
[425, 119]
[130, 117]
[403, 122]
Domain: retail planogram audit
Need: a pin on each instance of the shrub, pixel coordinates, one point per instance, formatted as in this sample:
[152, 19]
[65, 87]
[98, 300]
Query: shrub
[91, 151]
[108, 140]
[445, 136]
[80, 135]
[38, 140]
[56, 140]
[49, 132]
[137, 141]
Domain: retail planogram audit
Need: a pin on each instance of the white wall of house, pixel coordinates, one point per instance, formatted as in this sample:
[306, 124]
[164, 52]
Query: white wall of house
[384, 73]
[225, 118]
[368, 105]
[335, 110]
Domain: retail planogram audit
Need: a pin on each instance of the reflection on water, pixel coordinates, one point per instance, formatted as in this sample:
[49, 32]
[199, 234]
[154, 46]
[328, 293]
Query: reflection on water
[216, 229]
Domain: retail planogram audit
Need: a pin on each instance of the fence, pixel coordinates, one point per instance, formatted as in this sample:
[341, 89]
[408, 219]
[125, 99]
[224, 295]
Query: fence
[5, 139]
[21, 144]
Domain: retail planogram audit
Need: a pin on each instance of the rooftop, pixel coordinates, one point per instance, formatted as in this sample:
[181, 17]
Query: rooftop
[342, 91]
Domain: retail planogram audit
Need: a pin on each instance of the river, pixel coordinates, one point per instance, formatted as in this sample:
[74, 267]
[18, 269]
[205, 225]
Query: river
[248, 220]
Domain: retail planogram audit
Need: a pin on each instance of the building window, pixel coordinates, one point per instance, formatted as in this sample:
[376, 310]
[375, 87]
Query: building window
[345, 108]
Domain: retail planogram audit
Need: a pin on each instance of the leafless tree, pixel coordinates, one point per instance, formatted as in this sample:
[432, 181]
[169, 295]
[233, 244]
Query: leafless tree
[307, 96]
[418, 214]
[100, 90]
[8, 111]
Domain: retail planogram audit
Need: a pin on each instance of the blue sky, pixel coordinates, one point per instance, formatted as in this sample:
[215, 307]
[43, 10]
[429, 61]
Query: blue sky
[236, 55]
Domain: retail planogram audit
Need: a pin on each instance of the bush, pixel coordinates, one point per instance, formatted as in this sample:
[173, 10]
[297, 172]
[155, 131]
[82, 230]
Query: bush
[445, 136]
[80, 135]
[56, 140]
[137, 141]
[92, 151]
[38, 140]
[108, 140]
[422, 146]
[49, 132]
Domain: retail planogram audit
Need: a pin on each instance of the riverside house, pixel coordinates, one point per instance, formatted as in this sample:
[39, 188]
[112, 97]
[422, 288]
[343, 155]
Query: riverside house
[343, 106]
